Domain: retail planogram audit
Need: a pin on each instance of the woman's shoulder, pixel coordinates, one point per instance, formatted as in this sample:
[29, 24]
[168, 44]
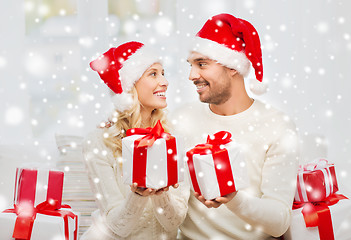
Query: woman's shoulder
[94, 140]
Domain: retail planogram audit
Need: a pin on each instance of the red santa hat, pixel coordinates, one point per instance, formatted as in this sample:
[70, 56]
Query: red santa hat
[232, 42]
[121, 67]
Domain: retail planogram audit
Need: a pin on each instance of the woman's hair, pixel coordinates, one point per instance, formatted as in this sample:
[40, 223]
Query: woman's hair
[120, 122]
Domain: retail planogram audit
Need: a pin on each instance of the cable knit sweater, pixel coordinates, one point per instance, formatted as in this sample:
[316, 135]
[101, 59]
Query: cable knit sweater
[123, 214]
[269, 142]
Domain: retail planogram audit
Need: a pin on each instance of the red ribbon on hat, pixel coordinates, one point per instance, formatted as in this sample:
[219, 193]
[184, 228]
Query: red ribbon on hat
[140, 152]
[26, 215]
[317, 214]
[220, 158]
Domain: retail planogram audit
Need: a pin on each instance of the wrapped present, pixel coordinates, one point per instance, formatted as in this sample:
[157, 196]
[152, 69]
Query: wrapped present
[316, 181]
[44, 221]
[34, 186]
[217, 167]
[325, 220]
[150, 158]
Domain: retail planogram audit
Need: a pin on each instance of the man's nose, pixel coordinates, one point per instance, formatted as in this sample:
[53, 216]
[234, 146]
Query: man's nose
[194, 74]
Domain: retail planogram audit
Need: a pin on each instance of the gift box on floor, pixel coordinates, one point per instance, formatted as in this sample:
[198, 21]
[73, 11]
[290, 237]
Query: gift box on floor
[316, 181]
[217, 167]
[34, 186]
[150, 158]
[61, 224]
[339, 223]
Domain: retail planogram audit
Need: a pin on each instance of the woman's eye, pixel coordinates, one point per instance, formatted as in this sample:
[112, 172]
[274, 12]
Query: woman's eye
[153, 74]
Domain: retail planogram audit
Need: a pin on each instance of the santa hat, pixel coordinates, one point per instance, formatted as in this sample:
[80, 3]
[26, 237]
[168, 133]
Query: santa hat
[232, 42]
[121, 67]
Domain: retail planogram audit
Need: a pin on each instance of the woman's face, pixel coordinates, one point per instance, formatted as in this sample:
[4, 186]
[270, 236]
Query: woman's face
[152, 87]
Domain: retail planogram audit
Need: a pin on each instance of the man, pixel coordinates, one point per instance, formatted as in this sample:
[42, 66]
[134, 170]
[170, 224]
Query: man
[225, 48]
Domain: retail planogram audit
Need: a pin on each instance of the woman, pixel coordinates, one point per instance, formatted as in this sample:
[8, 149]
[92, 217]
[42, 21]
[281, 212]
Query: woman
[136, 77]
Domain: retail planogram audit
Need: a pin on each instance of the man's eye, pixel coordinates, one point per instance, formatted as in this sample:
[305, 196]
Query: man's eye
[202, 64]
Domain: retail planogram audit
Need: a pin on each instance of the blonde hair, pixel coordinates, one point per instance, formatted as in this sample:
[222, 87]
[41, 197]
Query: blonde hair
[120, 122]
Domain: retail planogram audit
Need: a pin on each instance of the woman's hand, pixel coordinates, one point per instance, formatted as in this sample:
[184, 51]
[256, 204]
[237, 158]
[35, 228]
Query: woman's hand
[165, 189]
[149, 191]
[141, 190]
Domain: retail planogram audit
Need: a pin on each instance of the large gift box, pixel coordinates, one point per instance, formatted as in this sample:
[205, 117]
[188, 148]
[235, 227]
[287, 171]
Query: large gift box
[316, 181]
[34, 186]
[150, 158]
[38, 213]
[61, 224]
[326, 221]
[217, 167]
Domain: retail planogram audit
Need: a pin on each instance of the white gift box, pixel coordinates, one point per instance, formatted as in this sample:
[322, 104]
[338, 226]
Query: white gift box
[44, 227]
[207, 179]
[156, 163]
[341, 219]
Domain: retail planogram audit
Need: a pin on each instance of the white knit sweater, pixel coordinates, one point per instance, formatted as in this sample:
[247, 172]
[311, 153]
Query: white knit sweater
[269, 141]
[123, 214]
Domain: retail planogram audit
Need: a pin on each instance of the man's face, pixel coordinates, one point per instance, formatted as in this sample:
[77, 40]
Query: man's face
[212, 80]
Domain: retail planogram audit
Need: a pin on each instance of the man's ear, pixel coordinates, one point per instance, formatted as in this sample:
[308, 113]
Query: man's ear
[233, 72]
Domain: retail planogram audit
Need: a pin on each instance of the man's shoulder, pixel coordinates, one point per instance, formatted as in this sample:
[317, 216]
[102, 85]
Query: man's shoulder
[274, 116]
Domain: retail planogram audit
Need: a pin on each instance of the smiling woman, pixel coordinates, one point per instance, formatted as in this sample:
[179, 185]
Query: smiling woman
[136, 76]
[151, 88]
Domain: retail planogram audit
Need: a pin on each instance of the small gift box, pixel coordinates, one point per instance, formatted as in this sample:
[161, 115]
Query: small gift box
[316, 181]
[325, 220]
[42, 222]
[217, 167]
[150, 158]
[34, 186]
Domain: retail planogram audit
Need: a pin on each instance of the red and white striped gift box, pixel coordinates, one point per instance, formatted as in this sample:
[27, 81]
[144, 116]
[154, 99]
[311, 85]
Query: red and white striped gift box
[34, 186]
[315, 181]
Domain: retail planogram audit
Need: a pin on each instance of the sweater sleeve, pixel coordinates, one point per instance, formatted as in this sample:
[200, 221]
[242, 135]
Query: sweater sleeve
[277, 186]
[171, 207]
[122, 212]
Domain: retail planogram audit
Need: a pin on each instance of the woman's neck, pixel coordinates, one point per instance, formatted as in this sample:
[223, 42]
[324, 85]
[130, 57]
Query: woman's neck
[145, 118]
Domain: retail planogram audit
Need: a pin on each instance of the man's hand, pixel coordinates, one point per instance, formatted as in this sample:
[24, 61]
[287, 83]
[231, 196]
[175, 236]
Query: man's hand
[215, 203]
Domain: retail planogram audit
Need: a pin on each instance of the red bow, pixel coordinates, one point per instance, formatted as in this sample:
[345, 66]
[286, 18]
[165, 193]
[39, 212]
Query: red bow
[317, 214]
[151, 134]
[26, 215]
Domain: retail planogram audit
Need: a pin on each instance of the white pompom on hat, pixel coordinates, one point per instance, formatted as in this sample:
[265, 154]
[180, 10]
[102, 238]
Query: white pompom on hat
[123, 66]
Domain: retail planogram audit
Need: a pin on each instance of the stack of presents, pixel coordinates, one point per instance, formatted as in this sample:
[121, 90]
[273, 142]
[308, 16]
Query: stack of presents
[151, 158]
[38, 212]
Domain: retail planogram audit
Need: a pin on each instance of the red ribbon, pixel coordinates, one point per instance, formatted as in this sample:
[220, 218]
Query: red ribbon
[26, 215]
[26, 186]
[220, 158]
[140, 153]
[317, 214]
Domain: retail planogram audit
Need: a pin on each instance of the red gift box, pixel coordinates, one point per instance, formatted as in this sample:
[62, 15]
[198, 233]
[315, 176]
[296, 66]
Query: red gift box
[217, 167]
[34, 186]
[150, 158]
[23, 220]
[316, 181]
[320, 220]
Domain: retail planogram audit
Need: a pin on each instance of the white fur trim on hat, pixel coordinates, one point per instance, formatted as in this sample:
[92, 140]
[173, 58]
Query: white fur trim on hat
[134, 67]
[223, 55]
[122, 101]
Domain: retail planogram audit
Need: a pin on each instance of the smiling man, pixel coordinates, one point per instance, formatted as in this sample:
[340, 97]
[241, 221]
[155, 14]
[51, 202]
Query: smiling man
[224, 50]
